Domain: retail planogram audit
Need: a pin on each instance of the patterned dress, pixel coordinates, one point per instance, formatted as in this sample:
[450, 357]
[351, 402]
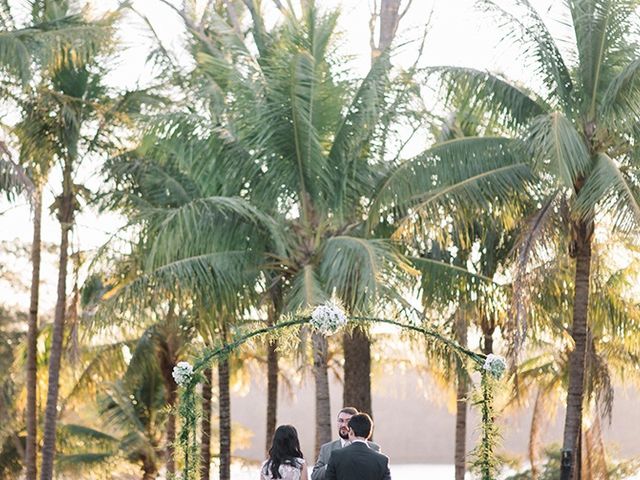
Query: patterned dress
[287, 472]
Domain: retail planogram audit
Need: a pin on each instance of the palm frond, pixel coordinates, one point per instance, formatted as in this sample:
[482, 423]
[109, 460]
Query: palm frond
[349, 152]
[620, 102]
[534, 244]
[54, 42]
[305, 290]
[605, 46]
[221, 277]
[87, 433]
[106, 364]
[356, 269]
[15, 55]
[616, 190]
[483, 94]
[474, 172]
[529, 30]
[13, 178]
[443, 282]
[554, 140]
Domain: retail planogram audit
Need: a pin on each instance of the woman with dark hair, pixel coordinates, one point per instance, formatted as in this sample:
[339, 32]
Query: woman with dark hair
[285, 460]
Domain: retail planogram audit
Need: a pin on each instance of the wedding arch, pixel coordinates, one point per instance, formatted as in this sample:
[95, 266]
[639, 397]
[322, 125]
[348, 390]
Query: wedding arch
[328, 319]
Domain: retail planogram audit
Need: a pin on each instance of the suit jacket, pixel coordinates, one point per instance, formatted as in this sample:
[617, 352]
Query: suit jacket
[320, 468]
[358, 462]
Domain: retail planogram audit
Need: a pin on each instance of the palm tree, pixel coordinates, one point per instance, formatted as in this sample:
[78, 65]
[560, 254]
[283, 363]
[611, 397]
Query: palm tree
[330, 213]
[37, 154]
[305, 166]
[576, 130]
[167, 192]
[74, 92]
[356, 344]
[133, 412]
[37, 46]
[612, 347]
[39, 42]
[318, 206]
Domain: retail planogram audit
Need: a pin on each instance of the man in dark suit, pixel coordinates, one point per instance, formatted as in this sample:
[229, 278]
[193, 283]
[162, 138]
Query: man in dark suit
[357, 461]
[320, 468]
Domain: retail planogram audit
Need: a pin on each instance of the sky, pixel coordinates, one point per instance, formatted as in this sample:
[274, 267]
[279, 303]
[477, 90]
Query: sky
[458, 34]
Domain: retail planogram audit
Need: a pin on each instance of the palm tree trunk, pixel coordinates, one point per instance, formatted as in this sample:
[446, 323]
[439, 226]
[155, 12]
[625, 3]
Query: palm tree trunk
[32, 341]
[149, 470]
[272, 391]
[65, 217]
[276, 296]
[488, 327]
[224, 418]
[167, 355]
[389, 20]
[575, 392]
[323, 404]
[172, 395]
[534, 434]
[205, 436]
[357, 371]
[461, 406]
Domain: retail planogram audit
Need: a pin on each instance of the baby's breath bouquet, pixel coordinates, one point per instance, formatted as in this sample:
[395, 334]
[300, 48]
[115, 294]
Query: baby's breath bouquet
[182, 373]
[328, 318]
[495, 365]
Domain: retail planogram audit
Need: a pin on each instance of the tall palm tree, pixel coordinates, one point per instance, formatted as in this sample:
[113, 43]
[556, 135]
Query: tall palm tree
[613, 345]
[356, 344]
[37, 154]
[318, 205]
[74, 92]
[167, 191]
[37, 45]
[576, 130]
[300, 146]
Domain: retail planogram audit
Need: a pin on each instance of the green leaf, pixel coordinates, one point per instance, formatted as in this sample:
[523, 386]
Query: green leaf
[620, 104]
[305, 290]
[603, 31]
[358, 269]
[616, 191]
[448, 178]
[527, 29]
[483, 93]
[553, 139]
[350, 151]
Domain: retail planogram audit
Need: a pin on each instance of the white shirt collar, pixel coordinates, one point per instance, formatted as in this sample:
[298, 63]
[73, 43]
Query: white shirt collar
[344, 443]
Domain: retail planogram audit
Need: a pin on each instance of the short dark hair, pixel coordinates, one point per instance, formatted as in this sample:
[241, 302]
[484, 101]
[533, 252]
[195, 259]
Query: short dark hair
[361, 424]
[349, 410]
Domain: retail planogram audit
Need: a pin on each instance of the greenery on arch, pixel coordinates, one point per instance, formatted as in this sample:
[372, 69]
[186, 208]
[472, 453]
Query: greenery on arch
[490, 369]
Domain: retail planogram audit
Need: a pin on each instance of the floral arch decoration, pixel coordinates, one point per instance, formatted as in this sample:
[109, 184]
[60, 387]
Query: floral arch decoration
[327, 319]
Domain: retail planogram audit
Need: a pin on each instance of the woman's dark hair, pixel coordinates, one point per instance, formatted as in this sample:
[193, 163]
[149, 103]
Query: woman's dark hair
[285, 450]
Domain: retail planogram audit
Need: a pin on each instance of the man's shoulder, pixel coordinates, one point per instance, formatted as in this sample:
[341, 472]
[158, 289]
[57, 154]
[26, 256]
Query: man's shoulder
[380, 456]
[373, 446]
[374, 452]
[332, 445]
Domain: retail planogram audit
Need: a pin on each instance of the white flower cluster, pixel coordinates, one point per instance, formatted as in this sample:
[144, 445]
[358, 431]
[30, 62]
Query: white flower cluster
[328, 318]
[182, 373]
[495, 365]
